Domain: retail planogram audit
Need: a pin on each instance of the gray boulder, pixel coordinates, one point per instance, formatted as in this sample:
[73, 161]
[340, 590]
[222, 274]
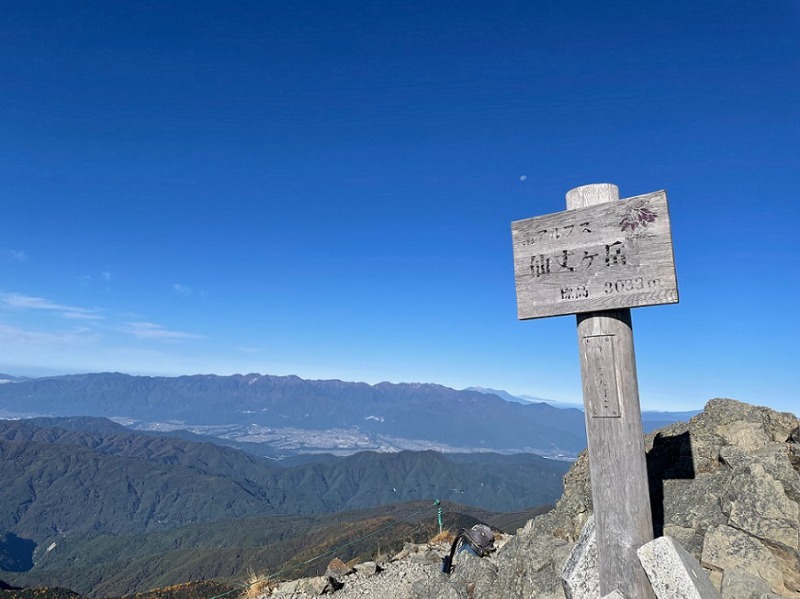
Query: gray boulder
[313, 587]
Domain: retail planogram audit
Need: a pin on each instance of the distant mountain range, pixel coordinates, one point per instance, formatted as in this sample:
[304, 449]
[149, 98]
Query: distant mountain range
[523, 399]
[286, 415]
[651, 420]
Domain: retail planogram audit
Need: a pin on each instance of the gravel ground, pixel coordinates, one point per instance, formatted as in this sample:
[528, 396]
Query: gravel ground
[393, 580]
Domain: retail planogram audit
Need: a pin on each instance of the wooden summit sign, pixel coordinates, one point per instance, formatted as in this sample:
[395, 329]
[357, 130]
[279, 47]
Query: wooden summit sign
[600, 257]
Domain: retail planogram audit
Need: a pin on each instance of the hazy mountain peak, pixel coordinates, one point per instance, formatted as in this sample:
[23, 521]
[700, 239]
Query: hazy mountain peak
[523, 399]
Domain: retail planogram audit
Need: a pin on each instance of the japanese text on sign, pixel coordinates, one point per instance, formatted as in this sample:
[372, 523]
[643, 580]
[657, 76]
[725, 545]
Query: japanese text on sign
[606, 256]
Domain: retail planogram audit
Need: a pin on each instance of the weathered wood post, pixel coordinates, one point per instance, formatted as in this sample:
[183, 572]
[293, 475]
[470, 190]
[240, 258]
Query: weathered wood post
[598, 259]
[617, 464]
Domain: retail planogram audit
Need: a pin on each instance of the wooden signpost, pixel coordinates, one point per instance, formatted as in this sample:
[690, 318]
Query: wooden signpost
[597, 260]
[595, 256]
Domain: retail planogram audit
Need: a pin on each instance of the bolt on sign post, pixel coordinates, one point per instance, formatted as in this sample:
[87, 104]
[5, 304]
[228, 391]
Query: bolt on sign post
[598, 259]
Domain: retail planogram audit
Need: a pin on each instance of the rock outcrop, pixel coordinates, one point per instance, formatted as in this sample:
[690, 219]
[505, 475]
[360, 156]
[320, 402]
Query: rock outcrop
[724, 487]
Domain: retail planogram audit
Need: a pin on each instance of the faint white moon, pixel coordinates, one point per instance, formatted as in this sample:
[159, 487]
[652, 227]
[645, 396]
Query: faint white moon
[523, 178]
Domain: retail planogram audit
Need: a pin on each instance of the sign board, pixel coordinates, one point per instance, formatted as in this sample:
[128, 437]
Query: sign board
[601, 257]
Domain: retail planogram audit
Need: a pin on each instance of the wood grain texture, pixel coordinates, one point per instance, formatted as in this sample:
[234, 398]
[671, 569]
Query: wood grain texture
[617, 463]
[595, 256]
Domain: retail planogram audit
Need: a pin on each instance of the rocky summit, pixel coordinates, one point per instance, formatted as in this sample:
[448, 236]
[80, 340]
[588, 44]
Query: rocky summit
[725, 487]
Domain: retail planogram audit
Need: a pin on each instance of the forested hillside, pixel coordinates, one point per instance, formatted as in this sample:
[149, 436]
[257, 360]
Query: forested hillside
[117, 502]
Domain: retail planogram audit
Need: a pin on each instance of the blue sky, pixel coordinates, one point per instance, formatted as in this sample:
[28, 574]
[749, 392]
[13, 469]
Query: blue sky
[326, 188]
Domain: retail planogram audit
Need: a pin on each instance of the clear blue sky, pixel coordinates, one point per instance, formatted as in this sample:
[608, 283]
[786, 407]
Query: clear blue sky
[326, 188]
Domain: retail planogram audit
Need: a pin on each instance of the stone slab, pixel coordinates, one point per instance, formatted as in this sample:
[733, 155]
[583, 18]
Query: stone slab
[580, 576]
[673, 572]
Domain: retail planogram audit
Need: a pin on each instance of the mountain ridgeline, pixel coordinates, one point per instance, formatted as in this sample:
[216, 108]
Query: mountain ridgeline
[467, 420]
[62, 481]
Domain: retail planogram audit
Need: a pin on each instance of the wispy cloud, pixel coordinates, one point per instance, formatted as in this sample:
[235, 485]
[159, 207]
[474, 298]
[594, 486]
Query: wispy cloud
[186, 291]
[19, 335]
[150, 330]
[29, 302]
[104, 276]
[248, 349]
[14, 255]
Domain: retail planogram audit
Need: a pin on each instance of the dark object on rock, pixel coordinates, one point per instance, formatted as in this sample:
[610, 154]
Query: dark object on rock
[479, 540]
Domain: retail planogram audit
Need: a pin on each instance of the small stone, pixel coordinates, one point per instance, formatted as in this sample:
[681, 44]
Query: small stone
[338, 569]
[367, 569]
[316, 586]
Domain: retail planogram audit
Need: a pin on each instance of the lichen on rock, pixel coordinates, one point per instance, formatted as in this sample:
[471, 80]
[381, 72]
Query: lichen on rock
[725, 485]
